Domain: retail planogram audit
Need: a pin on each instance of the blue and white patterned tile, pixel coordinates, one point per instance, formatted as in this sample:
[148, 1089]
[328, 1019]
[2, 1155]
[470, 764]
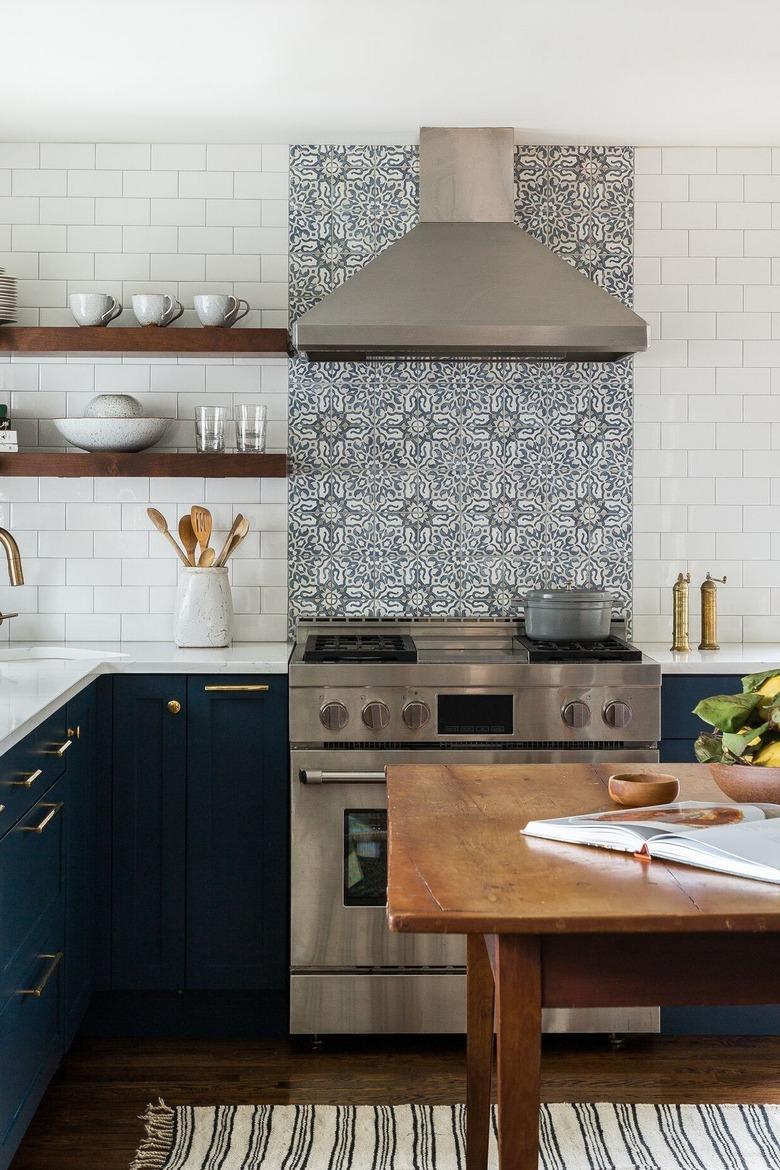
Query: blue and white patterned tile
[450, 487]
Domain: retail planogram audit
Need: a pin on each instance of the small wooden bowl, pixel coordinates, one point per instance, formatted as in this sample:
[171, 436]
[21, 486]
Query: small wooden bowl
[638, 789]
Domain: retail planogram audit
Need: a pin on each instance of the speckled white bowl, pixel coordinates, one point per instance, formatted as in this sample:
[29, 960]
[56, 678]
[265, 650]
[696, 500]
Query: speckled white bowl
[112, 434]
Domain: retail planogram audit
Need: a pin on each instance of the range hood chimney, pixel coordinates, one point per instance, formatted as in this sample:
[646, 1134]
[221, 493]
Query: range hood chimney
[466, 281]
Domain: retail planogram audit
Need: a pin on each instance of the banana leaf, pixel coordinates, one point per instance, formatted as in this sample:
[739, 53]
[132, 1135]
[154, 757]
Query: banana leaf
[737, 743]
[727, 712]
[751, 682]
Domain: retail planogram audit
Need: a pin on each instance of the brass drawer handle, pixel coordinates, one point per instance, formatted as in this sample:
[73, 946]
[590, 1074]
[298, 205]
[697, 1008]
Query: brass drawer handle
[64, 747]
[74, 732]
[51, 814]
[257, 688]
[39, 988]
[28, 780]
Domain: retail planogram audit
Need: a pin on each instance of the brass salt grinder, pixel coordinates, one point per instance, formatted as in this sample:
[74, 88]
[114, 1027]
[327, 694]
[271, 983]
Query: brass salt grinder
[709, 612]
[680, 613]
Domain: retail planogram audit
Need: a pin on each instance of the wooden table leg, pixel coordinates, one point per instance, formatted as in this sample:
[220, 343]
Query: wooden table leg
[518, 987]
[479, 1052]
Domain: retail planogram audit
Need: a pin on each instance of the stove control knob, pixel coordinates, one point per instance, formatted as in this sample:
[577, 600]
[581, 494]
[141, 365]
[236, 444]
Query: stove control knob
[376, 715]
[334, 716]
[416, 714]
[575, 713]
[617, 713]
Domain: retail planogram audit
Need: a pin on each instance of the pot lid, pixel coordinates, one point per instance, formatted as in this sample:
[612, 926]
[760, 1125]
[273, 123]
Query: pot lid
[568, 596]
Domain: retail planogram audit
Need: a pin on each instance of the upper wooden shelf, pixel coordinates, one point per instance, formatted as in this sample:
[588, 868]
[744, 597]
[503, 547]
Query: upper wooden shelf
[73, 465]
[142, 339]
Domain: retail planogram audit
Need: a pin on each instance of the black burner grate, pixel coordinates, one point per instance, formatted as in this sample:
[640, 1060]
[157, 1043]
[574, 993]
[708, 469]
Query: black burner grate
[611, 649]
[359, 648]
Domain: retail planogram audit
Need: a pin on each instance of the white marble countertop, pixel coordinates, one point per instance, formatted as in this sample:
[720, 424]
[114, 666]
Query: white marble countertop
[32, 690]
[732, 658]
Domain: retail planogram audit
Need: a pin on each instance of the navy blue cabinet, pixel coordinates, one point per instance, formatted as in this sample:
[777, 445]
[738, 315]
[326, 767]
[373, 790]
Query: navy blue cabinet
[148, 832]
[199, 833]
[237, 833]
[80, 820]
[679, 726]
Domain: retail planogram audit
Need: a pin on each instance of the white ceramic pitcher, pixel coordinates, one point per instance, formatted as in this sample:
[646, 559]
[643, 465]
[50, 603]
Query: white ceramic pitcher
[204, 608]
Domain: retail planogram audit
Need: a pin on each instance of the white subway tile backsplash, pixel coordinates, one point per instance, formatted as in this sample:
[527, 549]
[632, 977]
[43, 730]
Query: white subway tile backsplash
[206, 185]
[745, 325]
[94, 239]
[38, 182]
[146, 184]
[178, 212]
[688, 160]
[234, 158]
[178, 156]
[123, 156]
[20, 154]
[720, 242]
[726, 298]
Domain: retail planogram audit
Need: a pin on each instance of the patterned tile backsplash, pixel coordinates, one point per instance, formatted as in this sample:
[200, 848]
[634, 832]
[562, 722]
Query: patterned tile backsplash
[450, 487]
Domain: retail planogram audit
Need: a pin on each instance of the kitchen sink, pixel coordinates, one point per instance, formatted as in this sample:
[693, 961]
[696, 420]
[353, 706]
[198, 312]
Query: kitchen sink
[61, 653]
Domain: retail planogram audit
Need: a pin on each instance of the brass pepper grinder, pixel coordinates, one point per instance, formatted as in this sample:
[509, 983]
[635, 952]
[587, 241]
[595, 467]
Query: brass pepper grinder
[709, 612]
[680, 613]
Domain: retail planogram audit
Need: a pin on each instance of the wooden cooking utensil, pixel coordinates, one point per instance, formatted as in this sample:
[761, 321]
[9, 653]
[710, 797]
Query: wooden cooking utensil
[229, 537]
[161, 524]
[206, 558]
[201, 525]
[187, 537]
[238, 536]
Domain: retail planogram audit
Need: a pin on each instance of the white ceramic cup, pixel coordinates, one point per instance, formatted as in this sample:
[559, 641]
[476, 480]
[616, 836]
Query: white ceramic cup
[156, 309]
[94, 308]
[217, 309]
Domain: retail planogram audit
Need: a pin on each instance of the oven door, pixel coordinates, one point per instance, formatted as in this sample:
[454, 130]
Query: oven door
[339, 869]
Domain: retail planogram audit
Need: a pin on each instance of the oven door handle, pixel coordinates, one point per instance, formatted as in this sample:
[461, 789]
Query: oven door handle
[315, 776]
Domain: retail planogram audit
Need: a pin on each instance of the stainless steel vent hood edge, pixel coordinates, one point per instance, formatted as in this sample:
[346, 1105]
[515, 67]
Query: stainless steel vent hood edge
[467, 282]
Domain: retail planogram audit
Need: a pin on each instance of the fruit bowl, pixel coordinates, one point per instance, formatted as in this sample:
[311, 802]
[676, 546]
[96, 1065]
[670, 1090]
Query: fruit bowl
[112, 434]
[748, 784]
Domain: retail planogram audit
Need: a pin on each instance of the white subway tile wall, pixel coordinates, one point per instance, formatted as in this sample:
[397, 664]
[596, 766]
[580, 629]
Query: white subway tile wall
[125, 218]
[707, 466]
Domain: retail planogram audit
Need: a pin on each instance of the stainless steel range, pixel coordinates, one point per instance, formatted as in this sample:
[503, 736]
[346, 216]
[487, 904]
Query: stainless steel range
[366, 694]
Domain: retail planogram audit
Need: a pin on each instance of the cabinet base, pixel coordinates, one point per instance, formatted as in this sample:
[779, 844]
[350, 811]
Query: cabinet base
[197, 1015]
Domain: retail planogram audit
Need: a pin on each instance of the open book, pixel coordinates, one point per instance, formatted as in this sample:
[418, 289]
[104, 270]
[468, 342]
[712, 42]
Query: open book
[741, 839]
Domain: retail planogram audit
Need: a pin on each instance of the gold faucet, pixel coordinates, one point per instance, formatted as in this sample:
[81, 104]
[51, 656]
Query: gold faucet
[709, 612]
[680, 613]
[13, 556]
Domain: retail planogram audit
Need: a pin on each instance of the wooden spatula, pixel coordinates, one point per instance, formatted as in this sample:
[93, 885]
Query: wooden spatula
[161, 524]
[187, 537]
[229, 538]
[201, 526]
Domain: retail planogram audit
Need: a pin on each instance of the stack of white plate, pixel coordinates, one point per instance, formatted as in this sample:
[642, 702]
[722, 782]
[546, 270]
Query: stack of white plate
[7, 299]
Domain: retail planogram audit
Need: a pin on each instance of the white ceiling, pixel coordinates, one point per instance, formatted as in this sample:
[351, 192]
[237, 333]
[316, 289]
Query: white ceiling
[633, 71]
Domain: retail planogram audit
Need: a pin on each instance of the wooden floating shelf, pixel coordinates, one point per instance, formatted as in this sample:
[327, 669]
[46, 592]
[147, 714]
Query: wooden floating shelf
[144, 463]
[143, 339]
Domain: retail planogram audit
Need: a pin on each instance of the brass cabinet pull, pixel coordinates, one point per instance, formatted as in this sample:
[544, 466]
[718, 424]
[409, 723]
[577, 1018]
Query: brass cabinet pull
[74, 732]
[28, 780]
[174, 706]
[51, 814]
[60, 751]
[38, 990]
[256, 688]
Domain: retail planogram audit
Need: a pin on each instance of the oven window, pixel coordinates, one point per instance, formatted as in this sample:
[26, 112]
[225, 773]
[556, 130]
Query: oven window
[365, 857]
[475, 715]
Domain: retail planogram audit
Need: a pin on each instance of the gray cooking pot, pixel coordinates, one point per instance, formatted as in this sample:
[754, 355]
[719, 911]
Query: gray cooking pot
[567, 615]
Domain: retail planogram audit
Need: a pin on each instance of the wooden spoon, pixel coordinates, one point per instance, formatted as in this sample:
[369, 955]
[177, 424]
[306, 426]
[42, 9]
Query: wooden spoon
[206, 559]
[161, 524]
[188, 537]
[238, 536]
[201, 525]
[229, 537]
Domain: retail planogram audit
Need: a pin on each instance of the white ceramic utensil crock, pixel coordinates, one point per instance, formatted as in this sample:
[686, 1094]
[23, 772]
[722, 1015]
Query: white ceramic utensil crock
[204, 608]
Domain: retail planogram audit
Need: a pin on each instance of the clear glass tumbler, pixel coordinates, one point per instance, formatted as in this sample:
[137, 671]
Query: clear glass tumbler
[209, 428]
[250, 426]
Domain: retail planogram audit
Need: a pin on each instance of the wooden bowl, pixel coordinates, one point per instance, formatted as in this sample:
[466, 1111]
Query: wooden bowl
[748, 784]
[639, 789]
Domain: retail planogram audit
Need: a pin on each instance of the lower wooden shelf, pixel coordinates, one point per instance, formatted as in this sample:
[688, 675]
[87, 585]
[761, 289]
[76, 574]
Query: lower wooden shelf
[144, 463]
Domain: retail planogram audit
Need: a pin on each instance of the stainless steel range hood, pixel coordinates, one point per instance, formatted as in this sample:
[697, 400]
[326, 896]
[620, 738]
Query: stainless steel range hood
[467, 282]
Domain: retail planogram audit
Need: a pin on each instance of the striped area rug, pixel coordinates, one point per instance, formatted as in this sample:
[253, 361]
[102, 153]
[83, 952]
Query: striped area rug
[432, 1137]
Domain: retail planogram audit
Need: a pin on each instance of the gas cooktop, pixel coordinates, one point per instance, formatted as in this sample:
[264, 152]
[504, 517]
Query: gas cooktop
[349, 647]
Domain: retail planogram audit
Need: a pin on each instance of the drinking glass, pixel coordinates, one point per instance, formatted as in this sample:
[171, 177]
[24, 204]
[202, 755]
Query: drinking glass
[250, 427]
[209, 428]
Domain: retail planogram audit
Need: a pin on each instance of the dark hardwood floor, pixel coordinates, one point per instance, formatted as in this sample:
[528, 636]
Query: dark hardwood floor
[89, 1119]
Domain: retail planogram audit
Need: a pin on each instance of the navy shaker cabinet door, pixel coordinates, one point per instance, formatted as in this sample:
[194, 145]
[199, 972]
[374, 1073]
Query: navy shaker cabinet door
[81, 788]
[237, 828]
[148, 834]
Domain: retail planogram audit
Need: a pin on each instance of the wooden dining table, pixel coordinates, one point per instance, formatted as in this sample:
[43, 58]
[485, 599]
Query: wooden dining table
[560, 925]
